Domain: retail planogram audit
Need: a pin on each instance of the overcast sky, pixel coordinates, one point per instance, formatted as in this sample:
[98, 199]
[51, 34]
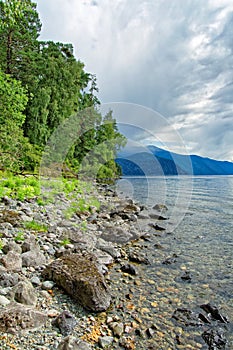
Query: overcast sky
[172, 56]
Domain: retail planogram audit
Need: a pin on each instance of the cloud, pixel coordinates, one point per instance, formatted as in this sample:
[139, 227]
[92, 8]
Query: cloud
[174, 57]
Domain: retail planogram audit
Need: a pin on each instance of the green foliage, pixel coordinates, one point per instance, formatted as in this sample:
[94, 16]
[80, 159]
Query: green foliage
[16, 153]
[1, 244]
[81, 205]
[19, 187]
[42, 86]
[101, 146]
[35, 226]
[13, 101]
[19, 30]
[19, 237]
[57, 94]
[65, 241]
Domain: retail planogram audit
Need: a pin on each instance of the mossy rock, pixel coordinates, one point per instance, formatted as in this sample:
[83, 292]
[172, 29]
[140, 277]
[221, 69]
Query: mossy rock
[79, 276]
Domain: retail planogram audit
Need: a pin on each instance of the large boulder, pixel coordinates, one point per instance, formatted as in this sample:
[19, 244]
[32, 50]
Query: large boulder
[79, 276]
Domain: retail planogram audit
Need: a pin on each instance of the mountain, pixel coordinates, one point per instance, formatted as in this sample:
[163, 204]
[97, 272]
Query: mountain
[157, 161]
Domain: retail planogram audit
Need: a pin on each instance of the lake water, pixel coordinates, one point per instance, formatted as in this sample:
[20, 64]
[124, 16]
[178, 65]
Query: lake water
[199, 233]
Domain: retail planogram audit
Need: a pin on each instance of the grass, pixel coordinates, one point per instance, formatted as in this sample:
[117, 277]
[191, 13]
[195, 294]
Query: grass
[22, 188]
[35, 226]
[64, 242]
[19, 237]
[1, 244]
[19, 187]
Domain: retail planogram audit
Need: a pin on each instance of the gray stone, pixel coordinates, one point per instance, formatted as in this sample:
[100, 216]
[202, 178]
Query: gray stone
[72, 343]
[117, 235]
[47, 285]
[103, 258]
[33, 258]
[25, 217]
[12, 261]
[35, 280]
[19, 317]
[24, 293]
[4, 301]
[108, 247]
[117, 328]
[12, 246]
[105, 341]
[8, 279]
[79, 276]
[30, 244]
[160, 207]
[65, 322]
[5, 291]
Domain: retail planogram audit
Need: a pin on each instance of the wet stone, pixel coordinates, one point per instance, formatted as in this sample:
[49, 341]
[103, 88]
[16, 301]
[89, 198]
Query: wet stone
[130, 269]
[186, 317]
[215, 339]
[214, 312]
[186, 276]
[138, 257]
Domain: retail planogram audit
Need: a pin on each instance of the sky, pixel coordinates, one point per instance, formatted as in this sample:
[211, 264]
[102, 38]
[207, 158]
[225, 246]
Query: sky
[167, 63]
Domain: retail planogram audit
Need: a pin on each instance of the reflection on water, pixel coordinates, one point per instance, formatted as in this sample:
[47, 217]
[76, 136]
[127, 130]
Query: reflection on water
[201, 219]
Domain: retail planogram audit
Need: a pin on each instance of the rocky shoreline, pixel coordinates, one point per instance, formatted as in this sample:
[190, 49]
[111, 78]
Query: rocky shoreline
[61, 282]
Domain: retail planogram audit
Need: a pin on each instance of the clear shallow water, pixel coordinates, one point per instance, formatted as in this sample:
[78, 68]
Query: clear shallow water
[200, 211]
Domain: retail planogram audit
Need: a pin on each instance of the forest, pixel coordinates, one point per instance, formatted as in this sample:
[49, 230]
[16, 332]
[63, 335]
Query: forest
[44, 88]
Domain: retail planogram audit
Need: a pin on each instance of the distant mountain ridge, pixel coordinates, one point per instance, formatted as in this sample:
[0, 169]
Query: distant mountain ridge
[157, 161]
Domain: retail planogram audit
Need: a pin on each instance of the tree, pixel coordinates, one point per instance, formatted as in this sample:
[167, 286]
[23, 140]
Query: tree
[57, 92]
[15, 149]
[42, 87]
[97, 149]
[19, 29]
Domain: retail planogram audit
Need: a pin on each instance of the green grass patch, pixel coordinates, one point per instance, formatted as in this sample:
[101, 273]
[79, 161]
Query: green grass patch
[35, 226]
[19, 237]
[65, 241]
[19, 187]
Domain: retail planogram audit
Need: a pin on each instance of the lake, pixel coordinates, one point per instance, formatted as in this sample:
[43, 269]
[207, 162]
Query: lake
[199, 233]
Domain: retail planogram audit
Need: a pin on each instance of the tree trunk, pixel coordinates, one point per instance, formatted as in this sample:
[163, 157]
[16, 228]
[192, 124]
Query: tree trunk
[9, 53]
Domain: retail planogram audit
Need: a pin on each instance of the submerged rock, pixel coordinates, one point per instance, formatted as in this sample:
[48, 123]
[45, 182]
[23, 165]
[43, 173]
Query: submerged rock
[138, 257]
[186, 317]
[130, 269]
[79, 276]
[215, 339]
[160, 207]
[186, 276]
[214, 312]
